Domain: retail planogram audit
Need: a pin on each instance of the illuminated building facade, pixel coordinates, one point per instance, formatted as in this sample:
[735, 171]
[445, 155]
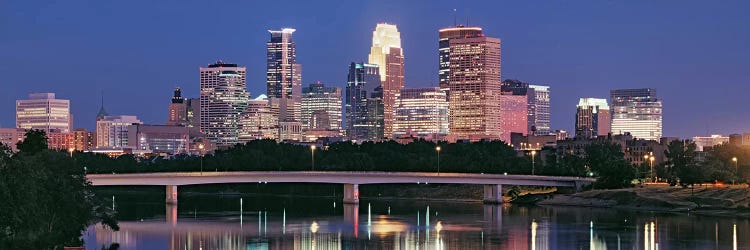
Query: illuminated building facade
[258, 121]
[421, 112]
[112, 131]
[178, 110]
[159, 138]
[11, 136]
[592, 118]
[84, 140]
[44, 112]
[513, 116]
[444, 49]
[704, 142]
[386, 52]
[284, 80]
[223, 97]
[321, 107]
[539, 110]
[364, 103]
[474, 86]
[637, 111]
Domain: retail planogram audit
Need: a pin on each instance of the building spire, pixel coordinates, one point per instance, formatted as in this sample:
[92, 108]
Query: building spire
[102, 113]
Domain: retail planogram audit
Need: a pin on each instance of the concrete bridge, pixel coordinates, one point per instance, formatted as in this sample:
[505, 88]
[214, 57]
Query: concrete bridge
[351, 180]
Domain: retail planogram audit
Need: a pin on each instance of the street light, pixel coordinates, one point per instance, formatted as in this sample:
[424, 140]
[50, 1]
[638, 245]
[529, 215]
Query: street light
[437, 149]
[651, 159]
[736, 171]
[70, 151]
[200, 146]
[312, 151]
[533, 153]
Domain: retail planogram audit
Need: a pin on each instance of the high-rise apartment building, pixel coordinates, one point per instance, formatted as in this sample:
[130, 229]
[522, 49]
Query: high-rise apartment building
[364, 103]
[592, 118]
[321, 107]
[44, 112]
[638, 112]
[386, 52]
[178, 110]
[112, 131]
[84, 140]
[444, 48]
[421, 112]
[223, 98]
[513, 116]
[474, 83]
[258, 121]
[284, 75]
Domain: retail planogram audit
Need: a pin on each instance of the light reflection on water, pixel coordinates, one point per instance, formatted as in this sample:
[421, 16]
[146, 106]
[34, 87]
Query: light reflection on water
[304, 223]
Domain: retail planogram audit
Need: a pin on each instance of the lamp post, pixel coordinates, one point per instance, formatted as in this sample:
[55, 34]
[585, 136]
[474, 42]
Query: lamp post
[736, 170]
[200, 147]
[312, 152]
[533, 153]
[651, 159]
[437, 149]
[70, 151]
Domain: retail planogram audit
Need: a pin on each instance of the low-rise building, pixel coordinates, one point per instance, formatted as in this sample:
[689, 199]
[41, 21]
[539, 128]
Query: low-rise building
[158, 138]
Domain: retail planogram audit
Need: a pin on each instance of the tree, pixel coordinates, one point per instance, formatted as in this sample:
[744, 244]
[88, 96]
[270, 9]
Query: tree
[46, 201]
[35, 141]
[681, 163]
[607, 162]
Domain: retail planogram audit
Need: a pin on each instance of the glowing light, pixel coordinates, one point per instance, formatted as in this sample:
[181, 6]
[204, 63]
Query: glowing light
[314, 227]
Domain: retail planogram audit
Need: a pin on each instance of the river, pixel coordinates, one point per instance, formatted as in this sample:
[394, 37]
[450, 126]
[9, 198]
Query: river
[218, 221]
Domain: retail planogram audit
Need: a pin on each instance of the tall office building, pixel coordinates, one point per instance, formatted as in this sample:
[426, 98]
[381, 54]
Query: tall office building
[513, 116]
[592, 118]
[112, 131]
[258, 121]
[321, 107]
[386, 52]
[178, 110]
[539, 110]
[284, 75]
[474, 70]
[637, 111]
[421, 112]
[44, 112]
[364, 103]
[444, 49]
[223, 98]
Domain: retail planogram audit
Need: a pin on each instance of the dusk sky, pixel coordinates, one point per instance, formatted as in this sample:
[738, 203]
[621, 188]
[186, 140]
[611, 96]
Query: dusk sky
[695, 53]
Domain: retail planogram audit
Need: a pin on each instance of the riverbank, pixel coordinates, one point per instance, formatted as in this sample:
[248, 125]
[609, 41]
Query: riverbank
[732, 201]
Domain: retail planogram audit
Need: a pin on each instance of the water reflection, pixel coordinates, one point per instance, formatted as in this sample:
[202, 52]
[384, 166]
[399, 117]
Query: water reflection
[214, 223]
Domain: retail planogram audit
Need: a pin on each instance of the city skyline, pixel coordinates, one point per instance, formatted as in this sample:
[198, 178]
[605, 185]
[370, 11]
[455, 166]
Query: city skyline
[541, 56]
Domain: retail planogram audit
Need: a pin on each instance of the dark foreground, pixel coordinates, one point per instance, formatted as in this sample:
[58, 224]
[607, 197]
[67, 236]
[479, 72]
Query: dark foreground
[276, 222]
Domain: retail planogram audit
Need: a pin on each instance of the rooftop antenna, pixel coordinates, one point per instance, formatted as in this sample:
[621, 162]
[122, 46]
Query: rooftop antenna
[455, 23]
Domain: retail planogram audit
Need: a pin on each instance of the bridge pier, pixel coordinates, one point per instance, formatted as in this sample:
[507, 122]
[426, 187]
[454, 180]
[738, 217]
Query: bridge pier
[351, 193]
[493, 194]
[171, 194]
[351, 217]
[579, 186]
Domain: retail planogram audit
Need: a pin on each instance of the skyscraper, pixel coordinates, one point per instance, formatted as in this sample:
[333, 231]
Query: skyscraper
[444, 49]
[539, 110]
[592, 118]
[178, 111]
[258, 121]
[321, 107]
[421, 112]
[473, 83]
[637, 111]
[386, 52]
[43, 111]
[364, 102]
[223, 98]
[284, 75]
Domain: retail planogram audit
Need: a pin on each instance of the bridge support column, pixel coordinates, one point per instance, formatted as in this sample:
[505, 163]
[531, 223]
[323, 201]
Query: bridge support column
[579, 186]
[351, 193]
[493, 194]
[171, 194]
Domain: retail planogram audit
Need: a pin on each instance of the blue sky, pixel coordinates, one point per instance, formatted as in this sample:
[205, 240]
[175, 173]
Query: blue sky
[695, 53]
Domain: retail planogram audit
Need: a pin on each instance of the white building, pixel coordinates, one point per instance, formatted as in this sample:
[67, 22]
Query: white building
[112, 131]
[709, 141]
[421, 112]
[43, 111]
[223, 98]
[258, 121]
